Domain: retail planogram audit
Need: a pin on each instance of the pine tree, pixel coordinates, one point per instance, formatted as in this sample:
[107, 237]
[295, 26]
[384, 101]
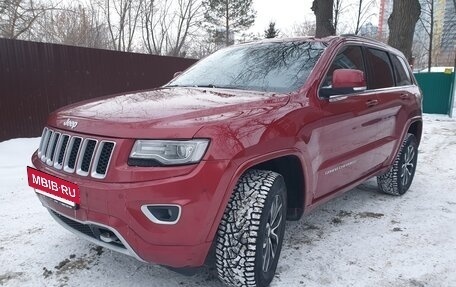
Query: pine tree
[232, 15]
[271, 32]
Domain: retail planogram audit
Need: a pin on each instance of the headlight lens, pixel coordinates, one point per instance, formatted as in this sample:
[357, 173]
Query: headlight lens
[167, 152]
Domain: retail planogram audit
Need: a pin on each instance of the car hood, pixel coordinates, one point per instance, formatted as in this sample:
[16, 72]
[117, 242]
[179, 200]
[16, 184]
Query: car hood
[162, 113]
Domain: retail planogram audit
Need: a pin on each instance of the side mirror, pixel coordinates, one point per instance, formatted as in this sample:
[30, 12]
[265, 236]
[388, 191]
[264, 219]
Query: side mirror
[349, 78]
[177, 74]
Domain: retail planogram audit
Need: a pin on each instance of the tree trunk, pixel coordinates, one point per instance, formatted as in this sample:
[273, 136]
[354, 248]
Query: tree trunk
[323, 10]
[227, 24]
[358, 19]
[402, 23]
[431, 36]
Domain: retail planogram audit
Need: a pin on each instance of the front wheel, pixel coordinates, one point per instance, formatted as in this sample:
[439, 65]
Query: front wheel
[397, 180]
[250, 235]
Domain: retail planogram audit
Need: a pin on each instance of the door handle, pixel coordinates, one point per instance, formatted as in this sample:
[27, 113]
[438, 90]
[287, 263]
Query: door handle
[371, 103]
[405, 96]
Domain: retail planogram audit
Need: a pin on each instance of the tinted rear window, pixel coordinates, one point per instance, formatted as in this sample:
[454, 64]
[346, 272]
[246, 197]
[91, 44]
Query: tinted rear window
[381, 74]
[400, 71]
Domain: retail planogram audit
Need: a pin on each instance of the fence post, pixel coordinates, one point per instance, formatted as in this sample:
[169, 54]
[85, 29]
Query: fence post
[452, 102]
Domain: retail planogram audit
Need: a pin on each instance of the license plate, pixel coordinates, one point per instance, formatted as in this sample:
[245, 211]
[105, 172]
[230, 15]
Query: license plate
[56, 188]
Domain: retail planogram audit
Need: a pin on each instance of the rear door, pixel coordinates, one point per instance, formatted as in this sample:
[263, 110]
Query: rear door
[395, 99]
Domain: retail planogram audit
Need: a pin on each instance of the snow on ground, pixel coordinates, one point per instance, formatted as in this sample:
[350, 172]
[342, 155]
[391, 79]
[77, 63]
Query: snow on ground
[363, 238]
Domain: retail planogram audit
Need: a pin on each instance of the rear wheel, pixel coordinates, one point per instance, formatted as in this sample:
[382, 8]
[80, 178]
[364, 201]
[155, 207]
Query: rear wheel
[397, 180]
[250, 235]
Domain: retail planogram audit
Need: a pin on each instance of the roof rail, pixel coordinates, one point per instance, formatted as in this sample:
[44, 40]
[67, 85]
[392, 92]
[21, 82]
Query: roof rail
[362, 37]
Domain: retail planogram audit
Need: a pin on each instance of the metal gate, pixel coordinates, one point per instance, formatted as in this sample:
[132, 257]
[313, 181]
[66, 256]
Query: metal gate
[437, 92]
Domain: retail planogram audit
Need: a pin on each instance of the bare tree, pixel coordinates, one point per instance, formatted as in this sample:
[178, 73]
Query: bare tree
[323, 10]
[306, 28]
[339, 9]
[431, 32]
[168, 25]
[188, 16]
[402, 23]
[153, 23]
[337, 6]
[3, 6]
[77, 26]
[122, 18]
[18, 16]
[363, 14]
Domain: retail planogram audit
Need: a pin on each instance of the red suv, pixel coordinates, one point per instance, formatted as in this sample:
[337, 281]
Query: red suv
[221, 156]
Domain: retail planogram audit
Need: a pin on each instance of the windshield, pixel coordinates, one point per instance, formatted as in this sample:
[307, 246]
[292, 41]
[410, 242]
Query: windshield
[280, 67]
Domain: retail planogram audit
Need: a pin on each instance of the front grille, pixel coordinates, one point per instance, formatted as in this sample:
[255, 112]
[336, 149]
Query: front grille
[85, 156]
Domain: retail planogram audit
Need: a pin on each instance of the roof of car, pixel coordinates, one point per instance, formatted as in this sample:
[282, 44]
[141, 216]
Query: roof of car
[331, 40]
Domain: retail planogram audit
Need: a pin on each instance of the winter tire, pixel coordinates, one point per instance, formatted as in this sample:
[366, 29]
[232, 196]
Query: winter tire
[400, 176]
[250, 234]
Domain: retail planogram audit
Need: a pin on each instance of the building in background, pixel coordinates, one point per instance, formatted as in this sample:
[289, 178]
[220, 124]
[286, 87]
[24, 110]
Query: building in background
[368, 30]
[444, 31]
[448, 37]
[386, 7]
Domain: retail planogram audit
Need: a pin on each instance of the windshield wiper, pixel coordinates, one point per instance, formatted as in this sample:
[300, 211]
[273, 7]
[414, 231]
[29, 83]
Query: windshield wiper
[193, 86]
[173, 86]
[206, 86]
[210, 86]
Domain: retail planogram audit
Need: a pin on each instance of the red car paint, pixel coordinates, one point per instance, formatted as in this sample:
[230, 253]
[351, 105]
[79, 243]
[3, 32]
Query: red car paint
[337, 143]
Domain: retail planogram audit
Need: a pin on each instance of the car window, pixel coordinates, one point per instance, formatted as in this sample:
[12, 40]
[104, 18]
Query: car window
[349, 57]
[271, 67]
[380, 72]
[401, 71]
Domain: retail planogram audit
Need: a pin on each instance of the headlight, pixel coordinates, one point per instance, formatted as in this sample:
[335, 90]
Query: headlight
[164, 152]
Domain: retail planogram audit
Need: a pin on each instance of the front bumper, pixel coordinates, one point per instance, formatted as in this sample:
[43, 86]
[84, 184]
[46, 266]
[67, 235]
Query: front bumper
[115, 208]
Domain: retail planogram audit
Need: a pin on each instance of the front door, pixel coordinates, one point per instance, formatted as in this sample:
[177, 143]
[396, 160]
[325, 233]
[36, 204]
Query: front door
[347, 136]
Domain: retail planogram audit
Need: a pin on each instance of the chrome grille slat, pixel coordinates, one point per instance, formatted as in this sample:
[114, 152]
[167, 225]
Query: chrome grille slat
[102, 159]
[46, 140]
[51, 148]
[60, 151]
[43, 136]
[85, 156]
[72, 154]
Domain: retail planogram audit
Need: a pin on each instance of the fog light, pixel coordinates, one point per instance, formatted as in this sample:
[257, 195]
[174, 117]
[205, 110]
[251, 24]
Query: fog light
[162, 213]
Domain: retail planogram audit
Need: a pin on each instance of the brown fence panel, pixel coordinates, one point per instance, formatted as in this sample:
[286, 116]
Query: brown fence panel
[38, 78]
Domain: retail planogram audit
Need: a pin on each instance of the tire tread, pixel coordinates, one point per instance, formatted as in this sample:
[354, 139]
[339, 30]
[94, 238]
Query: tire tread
[238, 232]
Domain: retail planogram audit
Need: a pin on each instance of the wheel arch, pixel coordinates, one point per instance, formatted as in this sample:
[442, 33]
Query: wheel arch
[413, 126]
[416, 128]
[291, 169]
[270, 160]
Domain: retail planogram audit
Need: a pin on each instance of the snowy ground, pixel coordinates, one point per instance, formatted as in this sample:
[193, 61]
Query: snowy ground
[360, 239]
